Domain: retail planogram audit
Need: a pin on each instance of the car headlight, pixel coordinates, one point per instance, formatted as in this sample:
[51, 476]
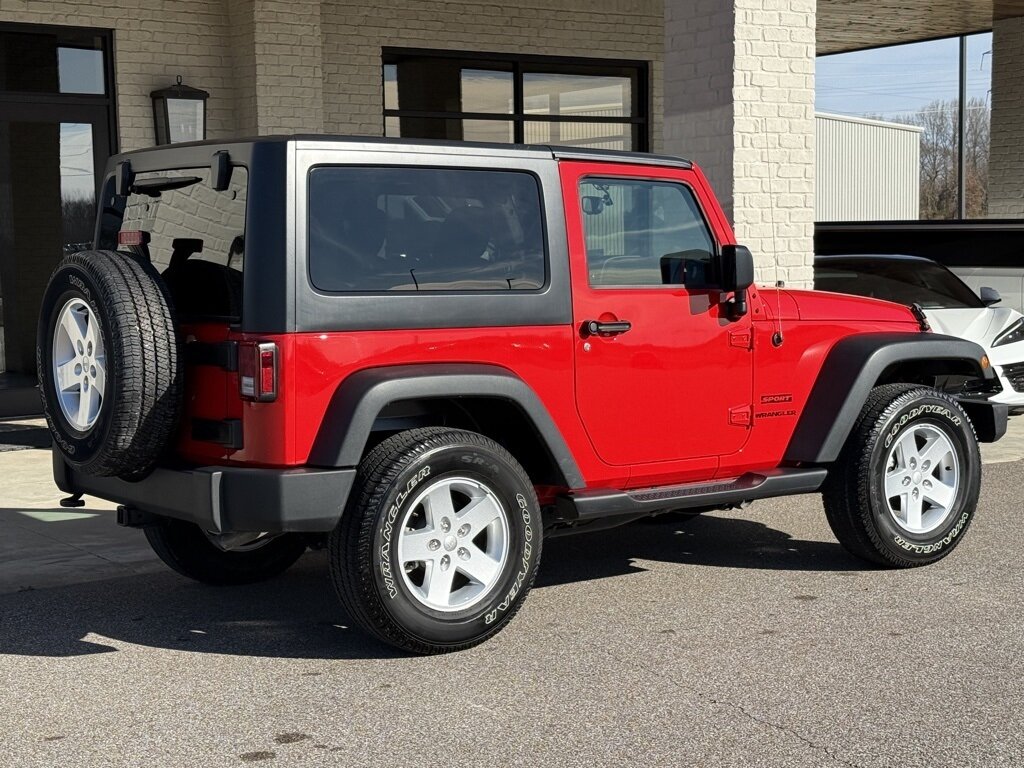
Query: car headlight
[1011, 335]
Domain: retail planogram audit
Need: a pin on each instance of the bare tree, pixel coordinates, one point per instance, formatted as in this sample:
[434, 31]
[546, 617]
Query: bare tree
[939, 147]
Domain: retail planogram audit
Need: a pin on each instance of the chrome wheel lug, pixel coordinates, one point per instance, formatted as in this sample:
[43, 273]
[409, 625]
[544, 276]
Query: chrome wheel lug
[463, 553]
[446, 561]
[906, 480]
[434, 545]
[446, 524]
[463, 530]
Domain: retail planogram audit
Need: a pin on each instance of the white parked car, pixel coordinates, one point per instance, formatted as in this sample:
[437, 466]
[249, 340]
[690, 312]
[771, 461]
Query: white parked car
[951, 307]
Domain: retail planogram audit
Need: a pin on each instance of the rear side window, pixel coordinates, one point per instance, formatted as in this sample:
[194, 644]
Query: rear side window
[642, 233]
[193, 234]
[424, 229]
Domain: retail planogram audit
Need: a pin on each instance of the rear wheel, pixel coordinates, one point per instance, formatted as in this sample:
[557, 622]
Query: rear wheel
[440, 541]
[906, 485]
[194, 553]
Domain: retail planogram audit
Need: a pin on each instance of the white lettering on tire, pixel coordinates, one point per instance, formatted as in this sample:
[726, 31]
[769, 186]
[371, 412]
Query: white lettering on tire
[927, 549]
[524, 509]
[913, 413]
[389, 527]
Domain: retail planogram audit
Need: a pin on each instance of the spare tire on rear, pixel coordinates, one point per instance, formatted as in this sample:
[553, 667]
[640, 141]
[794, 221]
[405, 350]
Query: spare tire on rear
[108, 363]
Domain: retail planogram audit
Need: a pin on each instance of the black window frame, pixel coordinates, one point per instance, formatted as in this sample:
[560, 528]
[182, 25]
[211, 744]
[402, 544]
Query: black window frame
[107, 100]
[519, 64]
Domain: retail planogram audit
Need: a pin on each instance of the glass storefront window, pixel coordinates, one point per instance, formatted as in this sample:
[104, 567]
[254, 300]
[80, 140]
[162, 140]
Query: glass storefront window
[486, 91]
[561, 94]
[915, 86]
[512, 99]
[68, 62]
[977, 123]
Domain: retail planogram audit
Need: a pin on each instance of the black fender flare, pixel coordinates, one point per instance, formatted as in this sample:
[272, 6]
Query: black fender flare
[358, 400]
[851, 369]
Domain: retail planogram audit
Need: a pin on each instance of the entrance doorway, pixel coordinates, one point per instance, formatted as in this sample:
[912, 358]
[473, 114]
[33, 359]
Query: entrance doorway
[56, 117]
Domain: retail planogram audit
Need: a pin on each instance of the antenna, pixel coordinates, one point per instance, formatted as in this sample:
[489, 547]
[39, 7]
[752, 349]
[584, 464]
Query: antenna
[777, 337]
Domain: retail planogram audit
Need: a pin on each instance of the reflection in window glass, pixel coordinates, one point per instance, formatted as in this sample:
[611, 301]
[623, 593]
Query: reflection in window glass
[977, 134]
[486, 90]
[203, 283]
[77, 185]
[645, 233]
[496, 131]
[557, 94]
[80, 70]
[437, 96]
[453, 129]
[390, 86]
[64, 61]
[912, 85]
[424, 229]
[185, 120]
[589, 135]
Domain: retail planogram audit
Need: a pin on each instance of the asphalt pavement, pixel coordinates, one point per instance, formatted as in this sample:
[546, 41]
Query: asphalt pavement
[731, 639]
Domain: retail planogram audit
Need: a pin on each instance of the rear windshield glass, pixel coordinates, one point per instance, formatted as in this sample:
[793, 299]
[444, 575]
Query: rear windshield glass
[904, 281]
[193, 234]
[424, 229]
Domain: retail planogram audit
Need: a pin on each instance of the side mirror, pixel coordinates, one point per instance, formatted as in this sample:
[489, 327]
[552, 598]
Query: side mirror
[737, 268]
[989, 296]
[592, 204]
[737, 264]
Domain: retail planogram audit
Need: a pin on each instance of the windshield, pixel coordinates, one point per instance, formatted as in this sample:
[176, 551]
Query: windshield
[904, 281]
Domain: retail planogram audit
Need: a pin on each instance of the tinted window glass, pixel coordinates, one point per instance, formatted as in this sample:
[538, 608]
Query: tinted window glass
[424, 229]
[645, 233]
[904, 281]
[196, 236]
[67, 61]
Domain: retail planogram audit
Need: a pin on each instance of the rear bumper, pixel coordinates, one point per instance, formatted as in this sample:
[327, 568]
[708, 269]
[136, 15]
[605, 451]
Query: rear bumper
[226, 499]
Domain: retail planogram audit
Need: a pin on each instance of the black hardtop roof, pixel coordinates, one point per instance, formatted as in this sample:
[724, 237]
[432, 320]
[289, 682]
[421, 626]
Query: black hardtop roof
[433, 146]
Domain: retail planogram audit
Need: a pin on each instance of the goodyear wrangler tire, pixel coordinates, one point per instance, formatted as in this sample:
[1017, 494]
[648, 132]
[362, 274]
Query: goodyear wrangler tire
[440, 541]
[108, 364]
[906, 485]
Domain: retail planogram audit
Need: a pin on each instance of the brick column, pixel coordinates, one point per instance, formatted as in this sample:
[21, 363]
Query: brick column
[277, 58]
[1006, 156]
[739, 101]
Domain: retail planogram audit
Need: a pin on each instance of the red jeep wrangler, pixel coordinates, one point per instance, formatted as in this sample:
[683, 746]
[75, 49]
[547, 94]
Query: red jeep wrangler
[431, 356]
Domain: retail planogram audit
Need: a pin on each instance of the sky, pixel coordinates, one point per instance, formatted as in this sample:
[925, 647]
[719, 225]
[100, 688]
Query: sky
[893, 81]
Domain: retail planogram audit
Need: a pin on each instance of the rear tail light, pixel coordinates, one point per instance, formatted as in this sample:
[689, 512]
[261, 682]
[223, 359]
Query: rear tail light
[257, 371]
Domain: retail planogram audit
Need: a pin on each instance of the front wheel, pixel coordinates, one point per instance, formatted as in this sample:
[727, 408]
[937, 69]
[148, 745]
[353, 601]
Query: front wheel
[440, 541]
[906, 484]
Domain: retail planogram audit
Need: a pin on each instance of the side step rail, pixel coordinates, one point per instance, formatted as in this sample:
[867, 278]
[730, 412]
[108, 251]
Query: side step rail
[596, 504]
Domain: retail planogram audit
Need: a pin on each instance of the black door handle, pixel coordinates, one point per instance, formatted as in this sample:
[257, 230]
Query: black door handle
[597, 328]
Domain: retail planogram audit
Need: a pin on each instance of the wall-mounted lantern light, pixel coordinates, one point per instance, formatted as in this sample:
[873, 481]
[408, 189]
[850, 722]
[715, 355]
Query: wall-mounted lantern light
[179, 113]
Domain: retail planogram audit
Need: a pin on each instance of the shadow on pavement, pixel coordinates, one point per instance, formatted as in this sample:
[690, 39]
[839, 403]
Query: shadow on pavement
[298, 616]
[704, 540]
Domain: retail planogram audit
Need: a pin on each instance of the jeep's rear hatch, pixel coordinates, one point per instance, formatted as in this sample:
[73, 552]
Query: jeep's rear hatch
[194, 235]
